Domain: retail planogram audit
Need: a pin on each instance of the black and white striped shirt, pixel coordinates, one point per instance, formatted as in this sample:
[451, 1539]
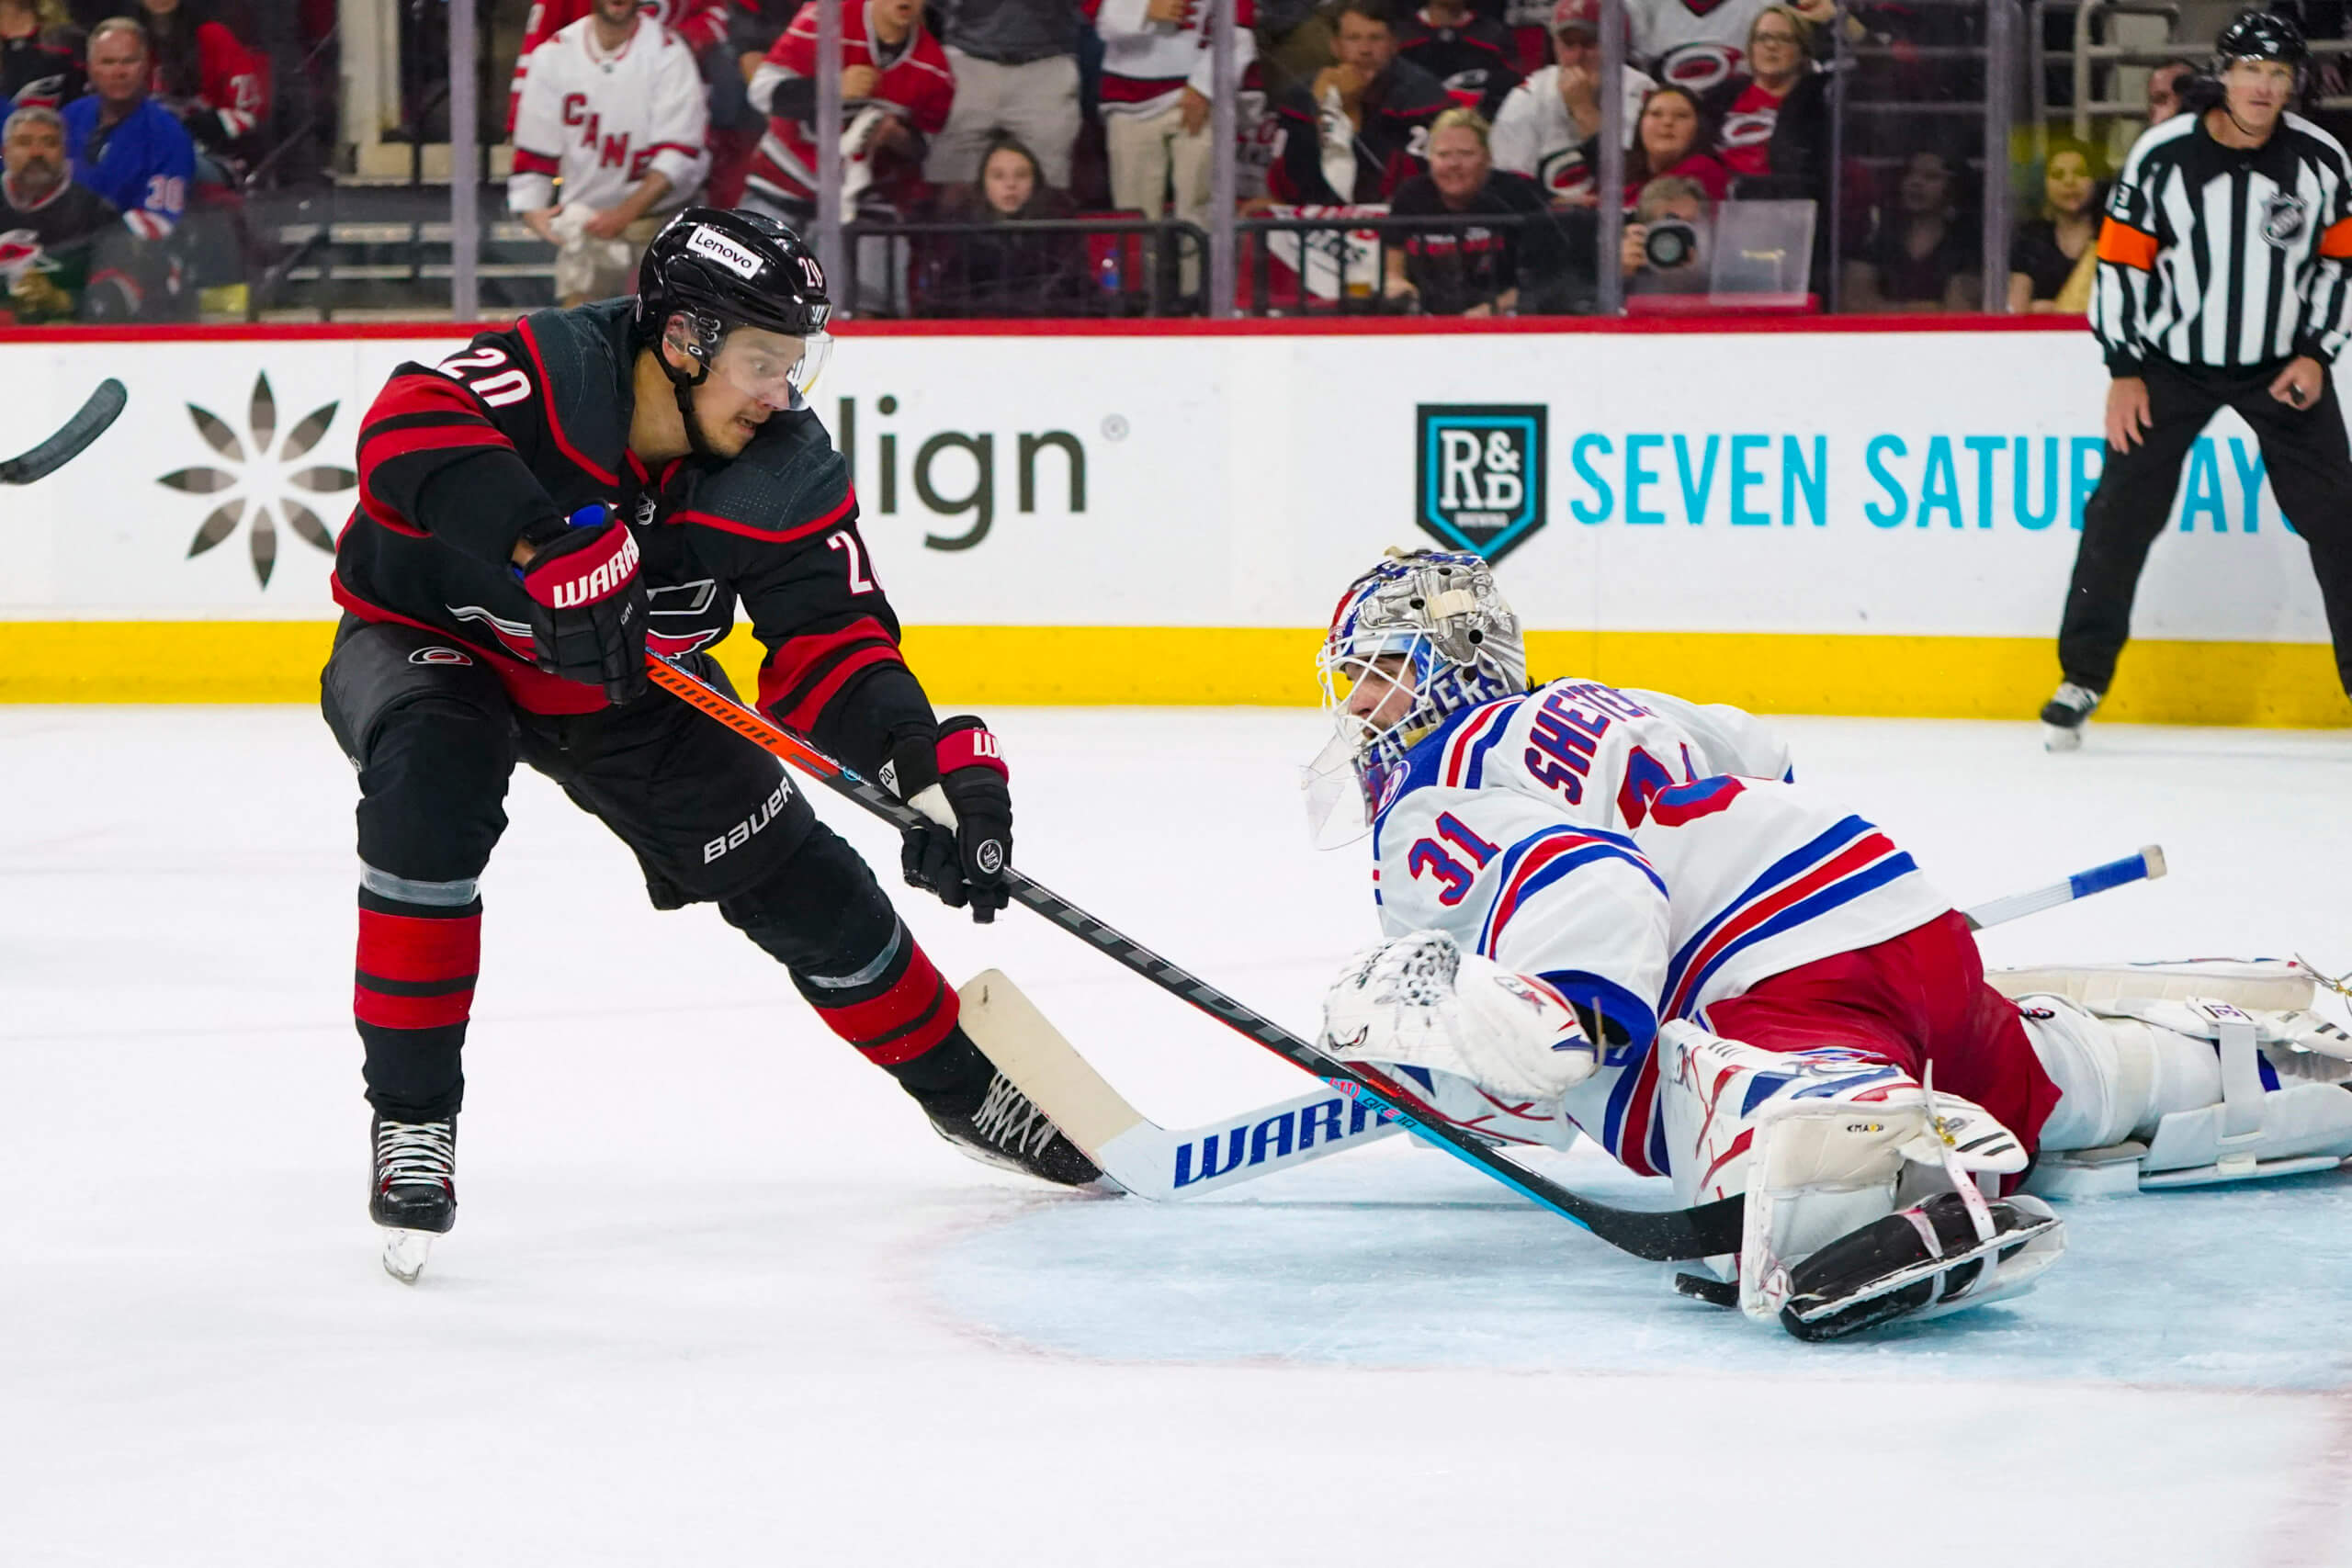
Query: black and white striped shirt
[2226, 257]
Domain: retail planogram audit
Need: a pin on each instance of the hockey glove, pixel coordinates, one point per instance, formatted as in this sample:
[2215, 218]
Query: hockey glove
[588, 605]
[961, 784]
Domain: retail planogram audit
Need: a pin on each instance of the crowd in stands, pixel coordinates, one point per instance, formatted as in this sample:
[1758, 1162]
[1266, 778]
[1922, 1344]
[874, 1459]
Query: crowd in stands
[1442, 160]
[114, 120]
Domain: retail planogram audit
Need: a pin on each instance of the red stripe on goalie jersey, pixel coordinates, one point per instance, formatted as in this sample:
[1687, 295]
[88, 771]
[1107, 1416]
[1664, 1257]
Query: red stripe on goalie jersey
[806, 672]
[416, 973]
[910, 1017]
[417, 414]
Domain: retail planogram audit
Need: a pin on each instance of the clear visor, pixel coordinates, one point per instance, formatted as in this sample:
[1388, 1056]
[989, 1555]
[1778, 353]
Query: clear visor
[776, 369]
[1367, 694]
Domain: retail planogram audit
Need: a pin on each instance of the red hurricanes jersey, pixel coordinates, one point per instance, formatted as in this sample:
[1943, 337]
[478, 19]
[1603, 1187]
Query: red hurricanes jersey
[457, 459]
[231, 80]
[1744, 138]
[916, 78]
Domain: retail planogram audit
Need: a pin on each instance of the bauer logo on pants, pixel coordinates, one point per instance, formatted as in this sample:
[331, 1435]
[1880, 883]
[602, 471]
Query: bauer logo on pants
[1479, 475]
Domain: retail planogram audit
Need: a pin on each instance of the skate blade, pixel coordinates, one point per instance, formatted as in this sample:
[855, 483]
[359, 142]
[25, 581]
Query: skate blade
[2058, 738]
[405, 1252]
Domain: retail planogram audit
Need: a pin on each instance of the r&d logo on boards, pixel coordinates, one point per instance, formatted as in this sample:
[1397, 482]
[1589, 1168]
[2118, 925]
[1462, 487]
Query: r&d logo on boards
[1478, 474]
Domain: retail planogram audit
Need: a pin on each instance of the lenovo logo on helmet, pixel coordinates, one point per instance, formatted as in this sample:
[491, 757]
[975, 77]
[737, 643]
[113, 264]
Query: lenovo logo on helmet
[725, 252]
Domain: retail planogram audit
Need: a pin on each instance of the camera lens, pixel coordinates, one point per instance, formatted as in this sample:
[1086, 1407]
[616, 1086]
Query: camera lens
[1669, 244]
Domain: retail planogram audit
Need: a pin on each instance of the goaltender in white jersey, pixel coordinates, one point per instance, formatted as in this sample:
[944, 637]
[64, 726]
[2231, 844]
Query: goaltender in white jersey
[1613, 912]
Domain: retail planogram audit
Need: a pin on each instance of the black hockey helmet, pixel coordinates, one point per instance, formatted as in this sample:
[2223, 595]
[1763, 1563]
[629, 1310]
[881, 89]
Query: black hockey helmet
[2260, 35]
[722, 271]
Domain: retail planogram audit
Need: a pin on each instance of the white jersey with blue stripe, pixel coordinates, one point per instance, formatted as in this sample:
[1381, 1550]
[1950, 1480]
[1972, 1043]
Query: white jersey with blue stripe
[1643, 855]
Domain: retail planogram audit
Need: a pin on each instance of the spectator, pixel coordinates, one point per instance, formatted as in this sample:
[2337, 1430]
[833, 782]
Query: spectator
[1672, 139]
[897, 90]
[1550, 125]
[36, 67]
[1354, 133]
[613, 106]
[1672, 207]
[1015, 63]
[1920, 256]
[701, 25]
[2046, 252]
[126, 146]
[64, 254]
[1156, 84]
[2164, 85]
[1771, 120]
[997, 270]
[1466, 269]
[216, 84]
[1690, 43]
[1469, 54]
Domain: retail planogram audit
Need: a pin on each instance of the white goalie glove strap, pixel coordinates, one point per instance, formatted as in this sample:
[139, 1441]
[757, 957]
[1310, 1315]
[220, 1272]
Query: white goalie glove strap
[1420, 1001]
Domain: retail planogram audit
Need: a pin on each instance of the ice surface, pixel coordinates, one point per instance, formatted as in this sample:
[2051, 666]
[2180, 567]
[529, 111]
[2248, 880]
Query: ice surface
[718, 1296]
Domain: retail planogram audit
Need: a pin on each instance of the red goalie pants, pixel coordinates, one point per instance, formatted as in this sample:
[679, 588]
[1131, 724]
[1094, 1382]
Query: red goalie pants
[1917, 1000]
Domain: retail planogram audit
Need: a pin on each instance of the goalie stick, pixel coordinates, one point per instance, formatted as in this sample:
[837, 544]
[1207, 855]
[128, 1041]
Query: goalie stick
[1661, 1236]
[1164, 1165]
[87, 424]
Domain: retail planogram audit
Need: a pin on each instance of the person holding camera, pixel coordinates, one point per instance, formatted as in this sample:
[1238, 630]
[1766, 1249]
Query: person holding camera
[1662, 254]
[2221, 283]
[1465, 268]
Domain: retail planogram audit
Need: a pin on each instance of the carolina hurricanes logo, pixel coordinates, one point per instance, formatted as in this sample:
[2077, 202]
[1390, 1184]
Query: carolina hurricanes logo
[19, 249]
[1564, 173]
[439, 655]
[679, 646]
[1699, 67]
[1751, 128]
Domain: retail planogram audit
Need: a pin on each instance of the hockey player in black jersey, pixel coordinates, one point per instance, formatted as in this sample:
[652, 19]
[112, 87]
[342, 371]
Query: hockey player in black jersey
[537, 511]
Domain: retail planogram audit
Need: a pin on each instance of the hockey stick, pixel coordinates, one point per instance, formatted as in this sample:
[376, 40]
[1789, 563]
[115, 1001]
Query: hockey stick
[2144, 866]
[87, 425]
[1664, 1236]
[1149, 1160]
[1167, 1165]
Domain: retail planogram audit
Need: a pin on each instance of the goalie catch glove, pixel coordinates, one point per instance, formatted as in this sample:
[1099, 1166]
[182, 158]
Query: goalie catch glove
[1420, 1001]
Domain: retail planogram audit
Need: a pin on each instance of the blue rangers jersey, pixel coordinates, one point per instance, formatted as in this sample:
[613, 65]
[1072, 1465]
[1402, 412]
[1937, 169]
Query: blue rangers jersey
[143, 163]
[1645, 856]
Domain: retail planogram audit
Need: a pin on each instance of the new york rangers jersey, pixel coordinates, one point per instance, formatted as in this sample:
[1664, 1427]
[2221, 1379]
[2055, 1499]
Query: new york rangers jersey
[602, 123]
[1645, 856]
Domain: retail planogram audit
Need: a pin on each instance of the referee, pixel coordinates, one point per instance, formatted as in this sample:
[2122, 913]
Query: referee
[2222, 281]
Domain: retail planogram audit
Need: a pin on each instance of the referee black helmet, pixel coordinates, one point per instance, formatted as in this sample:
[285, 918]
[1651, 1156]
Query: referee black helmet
[2260, 35]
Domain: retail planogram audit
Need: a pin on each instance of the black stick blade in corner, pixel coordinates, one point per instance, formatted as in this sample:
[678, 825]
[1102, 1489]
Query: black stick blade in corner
[78, 433]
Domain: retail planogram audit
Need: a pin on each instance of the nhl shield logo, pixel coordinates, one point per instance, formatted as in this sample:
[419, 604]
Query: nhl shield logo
[1479, 475]
[2283, 218]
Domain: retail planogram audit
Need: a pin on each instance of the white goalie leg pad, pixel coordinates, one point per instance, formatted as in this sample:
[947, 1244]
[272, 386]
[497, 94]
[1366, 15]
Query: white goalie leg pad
[2258, 985]
[1824, 1143]
[2169, 1092]
[1421, 1000]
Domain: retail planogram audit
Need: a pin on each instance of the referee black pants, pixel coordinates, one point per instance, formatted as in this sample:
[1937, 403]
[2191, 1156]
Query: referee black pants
[2310, 466]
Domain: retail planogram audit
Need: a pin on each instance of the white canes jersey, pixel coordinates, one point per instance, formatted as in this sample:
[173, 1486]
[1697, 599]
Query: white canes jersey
[1644, 857]
[1691, 43]
[603, 122]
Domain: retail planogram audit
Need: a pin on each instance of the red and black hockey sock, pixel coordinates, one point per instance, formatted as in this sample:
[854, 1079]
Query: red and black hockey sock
[901, 1015]
[412, 995]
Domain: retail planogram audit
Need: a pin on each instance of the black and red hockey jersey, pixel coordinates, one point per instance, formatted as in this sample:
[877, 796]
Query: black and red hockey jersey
[457, 460]
[1472, 58]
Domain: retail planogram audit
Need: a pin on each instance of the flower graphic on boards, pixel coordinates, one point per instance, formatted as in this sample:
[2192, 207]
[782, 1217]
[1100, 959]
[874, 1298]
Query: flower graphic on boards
[258, 479]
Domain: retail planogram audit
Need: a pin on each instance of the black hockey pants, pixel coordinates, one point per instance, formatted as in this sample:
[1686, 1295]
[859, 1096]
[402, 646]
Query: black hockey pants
[710, 816]
[2310, 466]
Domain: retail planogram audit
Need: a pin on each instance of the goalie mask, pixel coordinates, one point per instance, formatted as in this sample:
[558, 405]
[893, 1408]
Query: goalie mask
[1415, 641]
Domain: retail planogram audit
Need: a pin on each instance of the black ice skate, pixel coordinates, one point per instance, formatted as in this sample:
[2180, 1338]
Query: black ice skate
[413, 1194]
[1001, 1126]
[2063, 715]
